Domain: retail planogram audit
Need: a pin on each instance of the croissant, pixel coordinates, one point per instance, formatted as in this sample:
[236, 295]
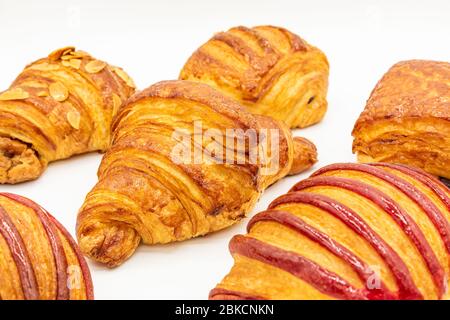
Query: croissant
[407, 118]
[38, 257]
[149, 191]
[57, 107]
[268, 69]
[351, 231]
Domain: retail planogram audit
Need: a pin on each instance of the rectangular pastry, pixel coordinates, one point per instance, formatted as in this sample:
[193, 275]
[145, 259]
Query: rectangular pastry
[407, 118]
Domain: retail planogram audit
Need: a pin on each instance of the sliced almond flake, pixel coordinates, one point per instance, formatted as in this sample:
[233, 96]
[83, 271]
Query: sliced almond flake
[79, 54]
[66, 63]
[117, 102]
[124, 76]
[67, 57]
[14, 94]
[73, 117]
[57, 54]
[42, 94]
[58, 91]
[43, 67]
[75, 63]
[95, 66]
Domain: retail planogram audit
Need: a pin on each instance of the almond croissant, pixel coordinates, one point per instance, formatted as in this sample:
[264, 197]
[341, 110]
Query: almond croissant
[38, 257]
[147, 192]
[57, 107]
[351, 231]
[407, 118]
[267, 69]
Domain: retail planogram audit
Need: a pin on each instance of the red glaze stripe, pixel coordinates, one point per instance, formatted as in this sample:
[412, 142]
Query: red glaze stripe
[59, 256]
[427, 179]
[360, 267]
[392, 209]
[435, 215]
[20, 255]
[231, 295]
[323, 280]
[407, 288]
[83, 265]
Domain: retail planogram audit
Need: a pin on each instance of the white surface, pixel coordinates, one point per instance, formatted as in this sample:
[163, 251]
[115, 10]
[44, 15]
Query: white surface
[152, 40]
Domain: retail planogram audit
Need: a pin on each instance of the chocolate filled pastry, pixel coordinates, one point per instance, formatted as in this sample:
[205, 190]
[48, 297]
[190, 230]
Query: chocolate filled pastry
[57, 107]
[39, 260]
[407, 118]
[270, 70]
[350, 231]
[185, 161]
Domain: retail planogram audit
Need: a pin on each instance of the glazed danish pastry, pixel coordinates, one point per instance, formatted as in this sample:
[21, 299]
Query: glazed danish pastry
[38, 257]
[351, 231]
[57, 107]
[268, 69]
[149, 191]
[407, 118]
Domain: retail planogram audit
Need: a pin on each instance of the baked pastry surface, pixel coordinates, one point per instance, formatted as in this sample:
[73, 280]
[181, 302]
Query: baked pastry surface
[407, 118]
[350, 231]
[38, 257]
[268, 69]
[145, 193]
[57, 107]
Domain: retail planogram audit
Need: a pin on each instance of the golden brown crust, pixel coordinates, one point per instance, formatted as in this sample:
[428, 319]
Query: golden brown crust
[60, 106]
[407, 118]
[305, 155]
[257, 65]
[146, 193]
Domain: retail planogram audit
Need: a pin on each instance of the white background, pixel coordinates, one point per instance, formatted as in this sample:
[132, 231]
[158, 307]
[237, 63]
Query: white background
[152, 40]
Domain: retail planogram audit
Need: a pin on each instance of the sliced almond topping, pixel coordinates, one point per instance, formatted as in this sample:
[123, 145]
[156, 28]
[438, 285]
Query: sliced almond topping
[117, 102]
[79, 54]
[14, 94]
[73, 117]
[57, 54]
[42, 94]
[124, 76]
[95, 66]
[75, 63]
[58, 91]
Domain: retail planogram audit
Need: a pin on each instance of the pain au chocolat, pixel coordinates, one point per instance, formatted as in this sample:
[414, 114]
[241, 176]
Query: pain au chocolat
[38, 257]
[57, 107]
[350, 231]
[146, 194]
[270, 70]
[407, 118]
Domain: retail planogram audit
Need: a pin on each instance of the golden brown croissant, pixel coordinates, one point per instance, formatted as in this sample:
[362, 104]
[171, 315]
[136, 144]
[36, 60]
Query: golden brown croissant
[407, 118]
[57, 107]
[146, 192]
[351, 231]
[38, 257]
[267, 69]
